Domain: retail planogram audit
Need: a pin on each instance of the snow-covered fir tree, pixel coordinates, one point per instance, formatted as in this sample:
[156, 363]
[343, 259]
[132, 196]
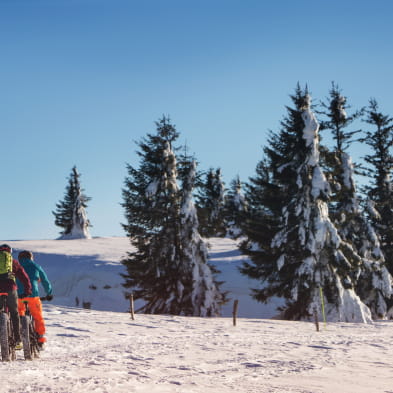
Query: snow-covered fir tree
[312, 254]
[160, 271]
[373, 284]
[380, 189]
[70, 213]
[202, 294]
[268, 192]
[309, 261]
[211, 204]
[235, 208]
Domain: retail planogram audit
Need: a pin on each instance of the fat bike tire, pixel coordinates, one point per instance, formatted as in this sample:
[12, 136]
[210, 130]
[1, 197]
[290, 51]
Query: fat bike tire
[34, 347]
[4, 334]
[25, 330]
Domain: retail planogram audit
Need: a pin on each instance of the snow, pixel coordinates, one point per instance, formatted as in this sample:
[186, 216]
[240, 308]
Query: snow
[97, 351]
[151, 189]
[105, 352]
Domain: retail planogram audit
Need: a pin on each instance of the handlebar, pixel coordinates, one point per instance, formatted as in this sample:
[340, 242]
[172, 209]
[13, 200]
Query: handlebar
[41, 298]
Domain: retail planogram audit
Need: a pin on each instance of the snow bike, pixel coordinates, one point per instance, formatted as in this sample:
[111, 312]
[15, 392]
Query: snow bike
[7, 341]
[31, 346]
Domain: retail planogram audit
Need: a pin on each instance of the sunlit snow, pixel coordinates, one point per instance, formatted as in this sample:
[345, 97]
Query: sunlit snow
[91, 351]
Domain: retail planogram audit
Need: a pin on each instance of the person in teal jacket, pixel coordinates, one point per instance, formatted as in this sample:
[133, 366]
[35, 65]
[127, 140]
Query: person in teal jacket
[37, 275]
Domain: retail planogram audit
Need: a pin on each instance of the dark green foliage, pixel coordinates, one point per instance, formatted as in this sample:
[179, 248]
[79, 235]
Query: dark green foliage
[152, 209]
[380, 164]
[211, 204]
[337, 162]
[267, 193]
[235, 208]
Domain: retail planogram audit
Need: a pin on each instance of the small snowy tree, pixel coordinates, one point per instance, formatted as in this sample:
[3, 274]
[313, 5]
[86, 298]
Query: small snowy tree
[235, 209]
[70, 214]
[211, 204]
[167, 272]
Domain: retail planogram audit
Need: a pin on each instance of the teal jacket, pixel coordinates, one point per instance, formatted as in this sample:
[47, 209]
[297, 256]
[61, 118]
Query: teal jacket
[36, 275]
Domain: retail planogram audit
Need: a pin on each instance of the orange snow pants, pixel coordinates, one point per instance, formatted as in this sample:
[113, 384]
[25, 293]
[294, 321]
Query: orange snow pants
[35, 307]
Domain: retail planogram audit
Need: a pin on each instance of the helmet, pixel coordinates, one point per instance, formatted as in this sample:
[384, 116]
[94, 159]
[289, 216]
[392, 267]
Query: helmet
[6, 247]
[25, 254]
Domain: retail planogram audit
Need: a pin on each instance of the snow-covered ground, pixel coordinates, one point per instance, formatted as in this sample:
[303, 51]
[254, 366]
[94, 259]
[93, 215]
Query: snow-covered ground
[101, 351]
[93, 351]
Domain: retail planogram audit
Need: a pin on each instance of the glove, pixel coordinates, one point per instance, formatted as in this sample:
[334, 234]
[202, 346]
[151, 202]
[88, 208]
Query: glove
[49, 297]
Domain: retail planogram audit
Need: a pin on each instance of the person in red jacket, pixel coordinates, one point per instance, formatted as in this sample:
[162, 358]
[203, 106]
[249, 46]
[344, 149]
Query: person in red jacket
[8, 285]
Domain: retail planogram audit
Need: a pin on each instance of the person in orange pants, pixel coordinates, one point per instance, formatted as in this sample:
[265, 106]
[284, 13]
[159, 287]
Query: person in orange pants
[36, 274]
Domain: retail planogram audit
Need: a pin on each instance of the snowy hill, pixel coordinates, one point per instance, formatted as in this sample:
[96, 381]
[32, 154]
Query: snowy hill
[96, 351]
[88, 271]
[91, 351]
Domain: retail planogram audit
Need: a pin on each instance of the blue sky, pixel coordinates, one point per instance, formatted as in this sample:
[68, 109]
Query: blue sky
[82, 80]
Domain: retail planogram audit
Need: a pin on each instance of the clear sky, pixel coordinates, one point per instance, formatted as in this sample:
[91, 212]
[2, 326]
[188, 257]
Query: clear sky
[82, 80]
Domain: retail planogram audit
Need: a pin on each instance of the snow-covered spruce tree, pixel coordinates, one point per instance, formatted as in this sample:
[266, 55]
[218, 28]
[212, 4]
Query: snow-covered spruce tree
[159, 271]
[380, 189]
[235, 208]
[312, 255]
[268, 192]
[201, 294]
[311, 258]
[70, 213]
[211, 205]
[373, 283]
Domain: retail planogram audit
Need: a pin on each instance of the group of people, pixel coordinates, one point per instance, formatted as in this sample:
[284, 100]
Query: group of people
[19, 279]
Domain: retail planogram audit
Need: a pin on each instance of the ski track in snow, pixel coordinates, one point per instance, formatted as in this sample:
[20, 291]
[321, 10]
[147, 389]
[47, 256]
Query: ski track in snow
[107, 352]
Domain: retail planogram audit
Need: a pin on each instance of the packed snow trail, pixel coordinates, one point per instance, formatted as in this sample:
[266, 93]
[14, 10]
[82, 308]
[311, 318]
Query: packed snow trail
[105, 352]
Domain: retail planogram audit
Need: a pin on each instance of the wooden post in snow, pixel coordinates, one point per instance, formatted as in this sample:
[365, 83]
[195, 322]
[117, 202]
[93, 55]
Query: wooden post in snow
[234, 313]
[316, 319]
[132, 306]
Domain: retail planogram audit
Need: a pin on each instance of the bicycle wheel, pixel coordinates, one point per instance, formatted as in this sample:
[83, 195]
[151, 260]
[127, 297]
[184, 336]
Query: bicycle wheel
[34, 347]
[11, 341]
[25, 331]
[5, 347]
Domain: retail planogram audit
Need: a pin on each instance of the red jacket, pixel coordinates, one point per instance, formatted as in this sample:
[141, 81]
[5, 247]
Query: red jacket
[9, 285]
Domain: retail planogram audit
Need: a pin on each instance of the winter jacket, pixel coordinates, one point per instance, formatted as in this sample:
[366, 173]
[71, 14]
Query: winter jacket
[9, 285]
[36, 275]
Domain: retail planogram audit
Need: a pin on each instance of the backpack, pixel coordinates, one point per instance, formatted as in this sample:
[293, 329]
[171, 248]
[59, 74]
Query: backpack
[6, 266]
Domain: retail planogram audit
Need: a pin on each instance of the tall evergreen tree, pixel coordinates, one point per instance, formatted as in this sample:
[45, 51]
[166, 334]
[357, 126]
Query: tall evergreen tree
[160, 271]
[70, 213]
[380, 189]
[269, 191]
[211, 205]
[373, 284]
[308, 257]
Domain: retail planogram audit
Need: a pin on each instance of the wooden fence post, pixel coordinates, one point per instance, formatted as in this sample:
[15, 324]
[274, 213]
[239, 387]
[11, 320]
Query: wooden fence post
[132, 306]
[234, 313]
[316, 319]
